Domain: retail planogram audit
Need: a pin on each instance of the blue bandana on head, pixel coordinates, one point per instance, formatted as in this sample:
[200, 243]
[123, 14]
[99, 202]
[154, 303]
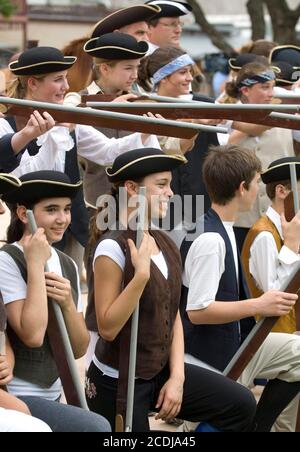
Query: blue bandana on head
[173, 66]
[263, 77]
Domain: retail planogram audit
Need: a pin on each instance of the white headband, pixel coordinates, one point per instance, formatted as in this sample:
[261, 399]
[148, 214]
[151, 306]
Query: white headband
[173, 66]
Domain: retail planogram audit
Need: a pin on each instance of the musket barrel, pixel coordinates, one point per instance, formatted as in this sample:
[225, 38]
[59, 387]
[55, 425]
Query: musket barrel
[279, 115]
[194, 106]
[109, 115]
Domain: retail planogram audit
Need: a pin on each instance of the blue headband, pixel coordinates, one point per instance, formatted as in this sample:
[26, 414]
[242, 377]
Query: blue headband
[263, 77]
[173, 66]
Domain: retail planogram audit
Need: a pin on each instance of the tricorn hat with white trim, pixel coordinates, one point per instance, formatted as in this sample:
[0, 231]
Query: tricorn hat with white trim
[41, 60]
[141, 162]
[40, 185]
[116, 46]
[279, 170]
[124, 17]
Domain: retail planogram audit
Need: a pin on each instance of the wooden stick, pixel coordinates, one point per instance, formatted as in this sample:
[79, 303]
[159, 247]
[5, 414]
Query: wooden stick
[135, 318]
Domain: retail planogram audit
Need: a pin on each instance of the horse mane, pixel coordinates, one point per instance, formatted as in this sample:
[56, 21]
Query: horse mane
[80, 74]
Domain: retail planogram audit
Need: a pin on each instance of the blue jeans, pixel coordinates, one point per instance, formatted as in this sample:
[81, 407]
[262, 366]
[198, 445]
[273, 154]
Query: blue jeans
[65, 418]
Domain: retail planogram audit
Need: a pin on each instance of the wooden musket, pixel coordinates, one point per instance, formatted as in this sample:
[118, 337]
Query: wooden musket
[258, 335]
[262, 114]
[111, 120]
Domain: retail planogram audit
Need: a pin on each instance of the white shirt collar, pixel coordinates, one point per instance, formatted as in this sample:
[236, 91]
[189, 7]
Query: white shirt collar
[93, 89]
[275, 218]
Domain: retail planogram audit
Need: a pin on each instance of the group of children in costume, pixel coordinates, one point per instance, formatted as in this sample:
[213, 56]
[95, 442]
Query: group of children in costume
[187, 335]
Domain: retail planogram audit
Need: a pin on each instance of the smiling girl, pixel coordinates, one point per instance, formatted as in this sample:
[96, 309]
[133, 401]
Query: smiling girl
[25, 288]
[125, 275]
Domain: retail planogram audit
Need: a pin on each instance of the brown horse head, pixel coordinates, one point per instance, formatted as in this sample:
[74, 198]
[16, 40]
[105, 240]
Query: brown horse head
[80, 75]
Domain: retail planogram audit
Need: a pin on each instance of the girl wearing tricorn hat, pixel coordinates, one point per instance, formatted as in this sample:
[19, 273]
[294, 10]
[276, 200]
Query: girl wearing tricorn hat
[124, 275]
[26, 146]
[42, 76]
[25, 288]
[131, 20]
[116, 59]
[14, 414]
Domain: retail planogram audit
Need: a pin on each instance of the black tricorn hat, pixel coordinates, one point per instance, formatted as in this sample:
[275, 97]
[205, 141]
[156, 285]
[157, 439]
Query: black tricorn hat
[170, 8]
[41, 60]
[141, 162]
[116, 46]
[241, 60]
[279, 170]
[8, 183]
[124, 17]
[289, 53]
[41, 185]
[287, 74]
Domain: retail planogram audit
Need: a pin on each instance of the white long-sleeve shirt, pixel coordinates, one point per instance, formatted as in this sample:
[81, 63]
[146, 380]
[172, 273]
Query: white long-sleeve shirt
[91, 144]
[270, 269]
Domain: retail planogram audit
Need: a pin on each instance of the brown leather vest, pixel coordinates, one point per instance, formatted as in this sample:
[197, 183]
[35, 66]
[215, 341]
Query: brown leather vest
[286, 324]
[159, 306]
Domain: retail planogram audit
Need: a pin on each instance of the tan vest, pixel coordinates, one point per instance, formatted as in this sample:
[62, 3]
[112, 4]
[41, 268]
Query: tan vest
[286, 324]
[271, 145]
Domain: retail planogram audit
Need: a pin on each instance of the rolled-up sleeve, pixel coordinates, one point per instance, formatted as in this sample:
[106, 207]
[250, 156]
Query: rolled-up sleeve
[204, 267]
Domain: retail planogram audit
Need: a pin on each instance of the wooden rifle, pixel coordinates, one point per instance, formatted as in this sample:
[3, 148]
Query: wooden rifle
[128, 343]
[270, 115]
[258, 335]
[111, 120]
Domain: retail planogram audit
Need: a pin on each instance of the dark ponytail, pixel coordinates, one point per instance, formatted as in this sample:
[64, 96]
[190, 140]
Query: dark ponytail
[232, 90]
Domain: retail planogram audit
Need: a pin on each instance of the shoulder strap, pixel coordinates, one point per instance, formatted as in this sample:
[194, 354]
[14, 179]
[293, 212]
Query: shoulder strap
[17, 255]
[53, 329]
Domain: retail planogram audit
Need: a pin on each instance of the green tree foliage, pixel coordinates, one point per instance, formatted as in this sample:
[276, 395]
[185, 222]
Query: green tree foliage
[6, 8]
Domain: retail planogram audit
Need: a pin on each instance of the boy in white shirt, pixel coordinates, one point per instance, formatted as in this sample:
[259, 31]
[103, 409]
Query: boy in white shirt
[219, 309]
